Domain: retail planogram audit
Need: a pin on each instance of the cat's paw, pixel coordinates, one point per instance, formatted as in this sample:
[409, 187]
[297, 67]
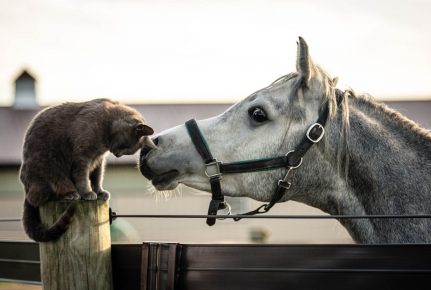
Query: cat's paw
[72, 196]
[89, 195]
[103, 195]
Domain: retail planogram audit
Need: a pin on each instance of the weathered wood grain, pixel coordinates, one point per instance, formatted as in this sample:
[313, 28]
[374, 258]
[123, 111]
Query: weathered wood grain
[81, 258]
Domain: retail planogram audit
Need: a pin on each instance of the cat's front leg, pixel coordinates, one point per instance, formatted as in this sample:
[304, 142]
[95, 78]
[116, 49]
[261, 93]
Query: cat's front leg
[65, 188]
[81, 174]
[96, 178]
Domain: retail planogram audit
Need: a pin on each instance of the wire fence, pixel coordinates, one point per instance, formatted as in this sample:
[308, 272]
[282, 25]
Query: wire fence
[10, 220]
[236, 216]
[185, 216]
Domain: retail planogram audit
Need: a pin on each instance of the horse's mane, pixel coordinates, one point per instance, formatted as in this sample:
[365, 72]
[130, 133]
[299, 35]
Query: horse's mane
[371, 105]
[405, 123]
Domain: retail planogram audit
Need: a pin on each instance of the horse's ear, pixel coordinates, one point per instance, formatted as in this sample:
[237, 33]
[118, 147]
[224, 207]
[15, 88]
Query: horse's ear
[334, 81]
[304, 63]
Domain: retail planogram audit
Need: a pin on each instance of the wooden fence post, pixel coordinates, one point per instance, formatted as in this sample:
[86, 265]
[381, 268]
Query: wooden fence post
[81, 258]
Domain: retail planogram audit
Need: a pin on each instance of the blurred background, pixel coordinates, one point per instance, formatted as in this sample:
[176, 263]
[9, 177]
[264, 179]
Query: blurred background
[176, 60]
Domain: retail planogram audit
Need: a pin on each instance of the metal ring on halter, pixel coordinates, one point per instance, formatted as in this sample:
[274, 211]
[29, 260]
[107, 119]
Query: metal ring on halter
[229, 210]
[299, 163]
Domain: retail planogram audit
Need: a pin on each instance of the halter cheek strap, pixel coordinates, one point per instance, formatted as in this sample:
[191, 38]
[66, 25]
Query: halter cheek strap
[212, 169]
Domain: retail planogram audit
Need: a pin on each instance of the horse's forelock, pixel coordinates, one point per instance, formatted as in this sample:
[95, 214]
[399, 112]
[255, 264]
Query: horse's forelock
[337, 113]
[283, 79]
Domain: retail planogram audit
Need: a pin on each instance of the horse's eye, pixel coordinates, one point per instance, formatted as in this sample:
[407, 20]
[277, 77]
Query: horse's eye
[257, 114]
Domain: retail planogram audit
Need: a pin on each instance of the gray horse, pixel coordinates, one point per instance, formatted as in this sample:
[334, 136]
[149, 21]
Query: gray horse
[371, 160]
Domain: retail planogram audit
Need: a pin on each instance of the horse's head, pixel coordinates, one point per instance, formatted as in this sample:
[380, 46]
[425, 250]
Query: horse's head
[269, 122]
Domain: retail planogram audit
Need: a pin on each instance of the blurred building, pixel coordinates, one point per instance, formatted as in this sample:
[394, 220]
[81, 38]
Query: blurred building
[133, 194]
[25, 92]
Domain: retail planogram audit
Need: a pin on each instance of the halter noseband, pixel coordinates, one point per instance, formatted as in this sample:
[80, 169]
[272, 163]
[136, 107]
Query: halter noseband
[292, 160]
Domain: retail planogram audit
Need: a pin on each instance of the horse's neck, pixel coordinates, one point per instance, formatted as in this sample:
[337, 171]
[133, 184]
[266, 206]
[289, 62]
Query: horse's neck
[389, 158]
[388, 170]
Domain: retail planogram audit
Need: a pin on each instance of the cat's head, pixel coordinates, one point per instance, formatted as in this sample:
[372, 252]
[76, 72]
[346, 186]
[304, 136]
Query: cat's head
[128, 135]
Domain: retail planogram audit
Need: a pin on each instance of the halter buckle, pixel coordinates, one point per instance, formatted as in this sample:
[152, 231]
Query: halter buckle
[284, 184]
[213, 169]
[318, 138]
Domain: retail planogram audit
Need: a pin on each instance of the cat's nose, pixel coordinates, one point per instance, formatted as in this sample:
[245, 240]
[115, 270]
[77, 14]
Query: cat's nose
[149, 144]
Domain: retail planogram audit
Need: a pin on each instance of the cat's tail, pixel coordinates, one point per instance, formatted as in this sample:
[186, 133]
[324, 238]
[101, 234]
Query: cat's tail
[40, 233]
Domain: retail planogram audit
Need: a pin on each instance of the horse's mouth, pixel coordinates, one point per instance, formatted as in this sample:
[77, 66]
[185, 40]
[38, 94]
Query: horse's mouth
[162, 181]
[164, 178]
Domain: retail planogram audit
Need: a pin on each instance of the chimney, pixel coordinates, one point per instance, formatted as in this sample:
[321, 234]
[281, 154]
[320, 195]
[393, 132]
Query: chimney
[25, 92]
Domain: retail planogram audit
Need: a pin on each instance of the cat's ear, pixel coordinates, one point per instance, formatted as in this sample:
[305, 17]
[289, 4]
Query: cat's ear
[143, 130]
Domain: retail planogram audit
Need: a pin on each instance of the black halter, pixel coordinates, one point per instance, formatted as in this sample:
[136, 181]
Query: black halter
[292, 160]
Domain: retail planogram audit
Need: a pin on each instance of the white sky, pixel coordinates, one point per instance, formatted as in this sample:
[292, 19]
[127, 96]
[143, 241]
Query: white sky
[210, 51]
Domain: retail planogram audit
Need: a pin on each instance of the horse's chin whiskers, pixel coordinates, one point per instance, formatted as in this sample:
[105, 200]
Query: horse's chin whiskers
[166, 194]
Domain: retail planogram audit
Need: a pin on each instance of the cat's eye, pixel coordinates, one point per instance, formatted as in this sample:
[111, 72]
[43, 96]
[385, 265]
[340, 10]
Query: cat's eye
[258, 114]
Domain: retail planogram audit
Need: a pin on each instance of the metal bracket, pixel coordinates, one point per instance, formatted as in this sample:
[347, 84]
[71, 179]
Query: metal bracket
[112, 216]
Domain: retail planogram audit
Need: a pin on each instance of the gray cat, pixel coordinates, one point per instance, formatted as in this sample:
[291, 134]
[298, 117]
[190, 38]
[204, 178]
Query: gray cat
[63, 156]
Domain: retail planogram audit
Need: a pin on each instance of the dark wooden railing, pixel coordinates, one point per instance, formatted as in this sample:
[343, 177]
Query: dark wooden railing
[156, 266]
[168, 266]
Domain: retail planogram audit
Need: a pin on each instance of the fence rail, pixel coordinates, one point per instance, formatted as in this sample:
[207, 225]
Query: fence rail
[167, 266]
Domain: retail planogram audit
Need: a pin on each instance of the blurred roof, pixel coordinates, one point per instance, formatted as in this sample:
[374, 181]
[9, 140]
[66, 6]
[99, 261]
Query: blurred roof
[13, 123]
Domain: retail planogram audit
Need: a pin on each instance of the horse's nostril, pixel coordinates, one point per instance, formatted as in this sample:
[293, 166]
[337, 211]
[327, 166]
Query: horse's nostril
[156, 141]
[145, 150]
